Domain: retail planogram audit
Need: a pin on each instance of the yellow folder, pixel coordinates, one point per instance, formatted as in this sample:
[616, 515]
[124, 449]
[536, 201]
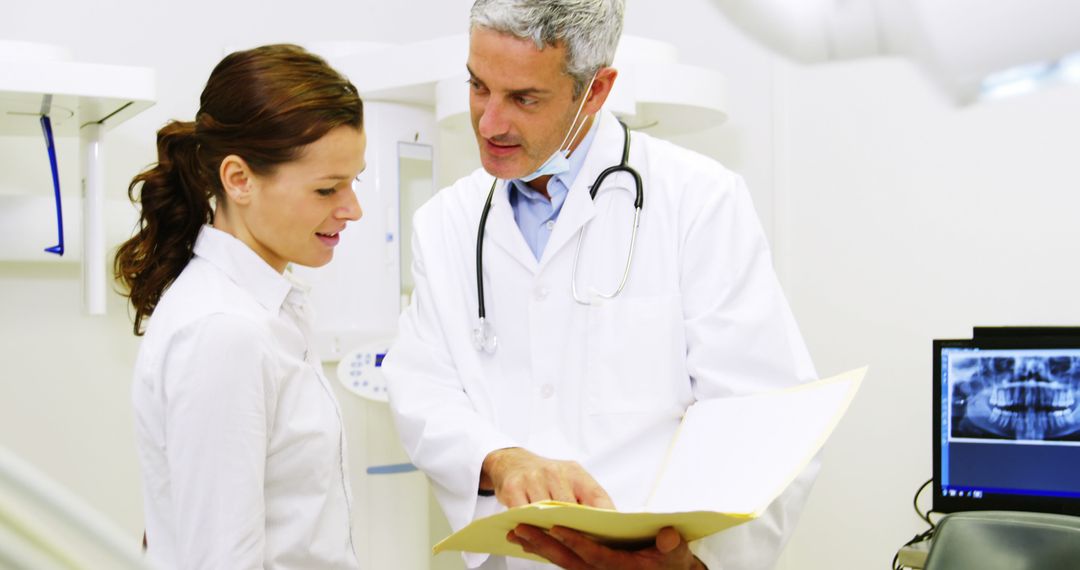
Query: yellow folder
[613, 528]
[698, 492]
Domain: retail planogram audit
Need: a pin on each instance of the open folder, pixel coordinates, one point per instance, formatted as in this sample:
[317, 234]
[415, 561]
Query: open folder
[728, 460]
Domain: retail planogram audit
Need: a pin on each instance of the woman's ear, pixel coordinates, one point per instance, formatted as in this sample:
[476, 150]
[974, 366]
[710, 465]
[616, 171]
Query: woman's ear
[237, 179]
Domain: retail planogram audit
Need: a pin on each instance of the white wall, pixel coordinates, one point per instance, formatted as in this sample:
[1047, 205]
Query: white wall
[704, 37]
[912, 220]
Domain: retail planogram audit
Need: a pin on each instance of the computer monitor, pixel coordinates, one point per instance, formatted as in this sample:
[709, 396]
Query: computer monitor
[1007, 421]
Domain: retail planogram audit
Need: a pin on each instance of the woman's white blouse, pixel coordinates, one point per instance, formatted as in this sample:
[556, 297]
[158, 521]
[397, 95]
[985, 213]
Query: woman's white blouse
[238, 431]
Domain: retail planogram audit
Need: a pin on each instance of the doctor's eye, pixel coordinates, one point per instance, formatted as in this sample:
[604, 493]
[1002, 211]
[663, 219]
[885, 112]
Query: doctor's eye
[475, 85]
[326, 191]
[526, 101]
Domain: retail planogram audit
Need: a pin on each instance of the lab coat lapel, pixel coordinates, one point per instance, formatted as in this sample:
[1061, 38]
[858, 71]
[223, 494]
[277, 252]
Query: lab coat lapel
[503, 231]
[605, 151]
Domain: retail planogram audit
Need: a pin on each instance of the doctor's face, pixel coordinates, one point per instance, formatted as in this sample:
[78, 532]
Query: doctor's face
[520, 99]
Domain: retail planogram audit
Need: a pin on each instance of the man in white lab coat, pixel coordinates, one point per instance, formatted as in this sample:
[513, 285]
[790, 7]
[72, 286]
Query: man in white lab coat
[560, 393]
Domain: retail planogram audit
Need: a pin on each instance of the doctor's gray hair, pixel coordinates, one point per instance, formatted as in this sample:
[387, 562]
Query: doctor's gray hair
[590, 29]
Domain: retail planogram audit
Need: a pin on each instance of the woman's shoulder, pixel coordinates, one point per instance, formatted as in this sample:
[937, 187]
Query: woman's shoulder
[202, 293]
[196, 326]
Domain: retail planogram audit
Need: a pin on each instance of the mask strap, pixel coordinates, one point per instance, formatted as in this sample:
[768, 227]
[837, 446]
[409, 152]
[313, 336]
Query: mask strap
[568, 137]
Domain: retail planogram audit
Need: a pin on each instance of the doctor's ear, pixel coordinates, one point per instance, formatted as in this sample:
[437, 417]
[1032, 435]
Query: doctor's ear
[237, 179]
[601, 88]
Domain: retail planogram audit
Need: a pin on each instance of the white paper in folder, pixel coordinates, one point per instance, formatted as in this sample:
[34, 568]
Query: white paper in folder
[735, 455]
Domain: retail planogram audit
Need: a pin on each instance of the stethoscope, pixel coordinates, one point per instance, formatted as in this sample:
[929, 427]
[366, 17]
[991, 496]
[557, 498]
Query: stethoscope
[484, 335]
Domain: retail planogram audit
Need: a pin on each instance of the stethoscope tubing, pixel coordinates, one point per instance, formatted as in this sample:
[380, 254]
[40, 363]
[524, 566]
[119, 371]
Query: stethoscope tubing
[480, 335]
[480, 251]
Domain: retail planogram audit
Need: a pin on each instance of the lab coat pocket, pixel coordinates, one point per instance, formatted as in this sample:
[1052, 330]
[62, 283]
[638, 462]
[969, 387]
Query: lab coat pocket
[636, 358]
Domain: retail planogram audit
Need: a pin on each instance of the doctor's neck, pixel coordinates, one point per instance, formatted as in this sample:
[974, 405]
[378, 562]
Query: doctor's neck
[540, 183]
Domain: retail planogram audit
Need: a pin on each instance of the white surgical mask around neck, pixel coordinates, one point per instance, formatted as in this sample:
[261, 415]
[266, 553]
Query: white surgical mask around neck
[559, 161]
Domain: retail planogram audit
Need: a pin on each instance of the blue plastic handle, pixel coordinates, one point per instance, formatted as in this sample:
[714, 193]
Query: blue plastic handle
[46, 128]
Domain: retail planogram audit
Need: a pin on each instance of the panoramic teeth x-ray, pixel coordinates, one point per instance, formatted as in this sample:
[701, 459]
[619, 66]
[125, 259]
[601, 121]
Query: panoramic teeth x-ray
[1029, 397]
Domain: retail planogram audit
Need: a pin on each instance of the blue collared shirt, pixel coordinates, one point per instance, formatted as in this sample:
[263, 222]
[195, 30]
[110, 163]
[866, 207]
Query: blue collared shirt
[534, 214]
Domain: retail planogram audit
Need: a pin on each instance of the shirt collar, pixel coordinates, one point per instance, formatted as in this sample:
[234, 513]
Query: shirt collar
[244, 267]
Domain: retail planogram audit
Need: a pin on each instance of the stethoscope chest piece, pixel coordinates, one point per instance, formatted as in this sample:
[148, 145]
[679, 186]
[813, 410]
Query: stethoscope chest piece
[483, 337]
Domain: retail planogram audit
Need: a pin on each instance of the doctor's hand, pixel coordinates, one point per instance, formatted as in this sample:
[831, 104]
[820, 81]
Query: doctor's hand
[520, 477]
[572, 550]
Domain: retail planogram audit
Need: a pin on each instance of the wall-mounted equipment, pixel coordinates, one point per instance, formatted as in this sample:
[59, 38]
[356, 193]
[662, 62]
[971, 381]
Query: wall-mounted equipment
[43, 91]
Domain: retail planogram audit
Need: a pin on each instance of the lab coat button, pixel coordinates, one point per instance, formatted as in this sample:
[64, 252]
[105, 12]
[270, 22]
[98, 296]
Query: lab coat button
[547, 391]
[540, 293]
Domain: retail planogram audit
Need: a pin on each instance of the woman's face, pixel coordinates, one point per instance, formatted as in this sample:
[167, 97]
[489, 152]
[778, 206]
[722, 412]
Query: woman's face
[296, 213]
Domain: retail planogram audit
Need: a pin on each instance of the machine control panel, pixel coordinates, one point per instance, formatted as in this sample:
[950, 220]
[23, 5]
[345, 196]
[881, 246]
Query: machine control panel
[360, 371]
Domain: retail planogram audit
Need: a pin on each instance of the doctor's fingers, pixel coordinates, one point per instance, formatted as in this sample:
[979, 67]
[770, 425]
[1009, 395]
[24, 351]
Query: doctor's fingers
[543, 480]
[569, 482]
[512, 495]
[561, 485]
[672, 551]
[588, 492]
[535, 541]
[524, 487]
[551, 483]
[673, 555]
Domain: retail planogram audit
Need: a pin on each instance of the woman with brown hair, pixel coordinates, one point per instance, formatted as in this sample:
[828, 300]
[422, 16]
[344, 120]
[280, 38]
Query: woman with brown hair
[239, 434]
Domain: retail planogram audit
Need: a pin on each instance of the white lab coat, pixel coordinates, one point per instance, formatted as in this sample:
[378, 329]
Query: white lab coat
[702, 316]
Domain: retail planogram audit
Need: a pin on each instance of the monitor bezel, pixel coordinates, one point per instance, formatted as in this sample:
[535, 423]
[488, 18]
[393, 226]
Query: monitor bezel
[1031, 503]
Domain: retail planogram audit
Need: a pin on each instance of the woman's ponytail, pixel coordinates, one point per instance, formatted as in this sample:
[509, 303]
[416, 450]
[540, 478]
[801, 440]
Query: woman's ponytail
[175, 203]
